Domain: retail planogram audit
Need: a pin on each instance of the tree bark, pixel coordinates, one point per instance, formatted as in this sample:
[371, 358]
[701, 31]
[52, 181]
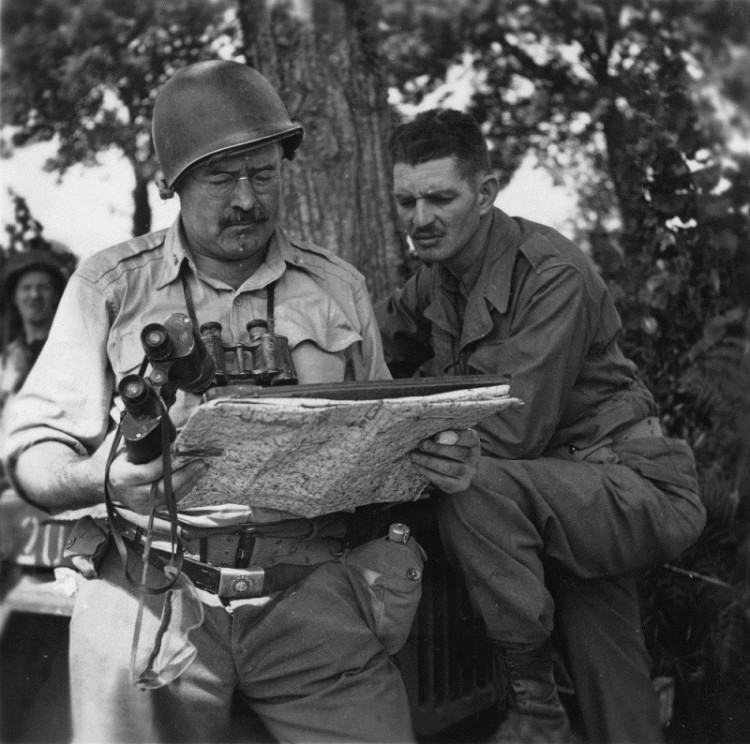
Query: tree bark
[321, 56]
[141, 205]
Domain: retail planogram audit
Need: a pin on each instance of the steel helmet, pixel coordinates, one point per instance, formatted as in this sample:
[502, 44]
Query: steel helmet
[215, 107]
[18, 264]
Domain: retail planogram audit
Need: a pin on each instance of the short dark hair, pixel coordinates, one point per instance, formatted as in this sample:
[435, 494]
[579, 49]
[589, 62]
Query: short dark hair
[441, 133]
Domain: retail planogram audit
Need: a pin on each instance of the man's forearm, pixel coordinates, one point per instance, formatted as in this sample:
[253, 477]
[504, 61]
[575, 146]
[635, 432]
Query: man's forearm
[54, 476]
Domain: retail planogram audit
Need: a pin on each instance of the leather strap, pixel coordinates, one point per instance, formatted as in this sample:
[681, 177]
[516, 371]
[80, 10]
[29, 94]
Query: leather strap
[234, 583]
[190, 304]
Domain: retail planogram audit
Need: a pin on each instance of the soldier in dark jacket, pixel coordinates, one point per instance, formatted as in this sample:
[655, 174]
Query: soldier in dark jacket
[577, 490]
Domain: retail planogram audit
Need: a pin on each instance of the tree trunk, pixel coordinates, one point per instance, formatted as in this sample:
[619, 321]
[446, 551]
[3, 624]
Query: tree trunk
[141, 205]
[626, 176]
[321, 56]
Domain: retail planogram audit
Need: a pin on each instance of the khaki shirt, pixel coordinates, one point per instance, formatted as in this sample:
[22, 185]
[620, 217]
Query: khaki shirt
[539, 312]
[321, 305]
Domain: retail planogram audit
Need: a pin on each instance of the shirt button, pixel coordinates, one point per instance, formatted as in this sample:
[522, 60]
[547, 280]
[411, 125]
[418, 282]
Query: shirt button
[237, 301]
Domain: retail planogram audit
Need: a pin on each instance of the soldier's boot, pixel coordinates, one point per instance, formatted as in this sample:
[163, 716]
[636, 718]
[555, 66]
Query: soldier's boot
[535, 714]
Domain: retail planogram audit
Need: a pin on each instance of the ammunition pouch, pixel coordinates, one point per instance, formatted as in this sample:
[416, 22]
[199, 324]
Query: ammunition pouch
[387, 580]
[87, 545]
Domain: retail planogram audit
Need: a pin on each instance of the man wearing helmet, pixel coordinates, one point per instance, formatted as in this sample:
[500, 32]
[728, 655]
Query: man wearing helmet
[31, 285]
[303, 655]
[30, 288]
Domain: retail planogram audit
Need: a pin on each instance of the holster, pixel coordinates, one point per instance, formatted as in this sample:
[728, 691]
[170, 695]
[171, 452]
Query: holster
[87, 545]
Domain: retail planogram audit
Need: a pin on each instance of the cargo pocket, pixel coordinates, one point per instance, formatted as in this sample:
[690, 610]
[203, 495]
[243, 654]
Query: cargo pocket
[664, 461]
[387, 580]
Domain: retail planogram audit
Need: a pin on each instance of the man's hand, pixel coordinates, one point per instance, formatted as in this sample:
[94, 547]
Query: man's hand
[140, 487]
[58, 478]
[449, 460]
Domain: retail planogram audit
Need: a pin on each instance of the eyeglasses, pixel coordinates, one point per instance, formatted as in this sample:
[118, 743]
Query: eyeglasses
[222, 184]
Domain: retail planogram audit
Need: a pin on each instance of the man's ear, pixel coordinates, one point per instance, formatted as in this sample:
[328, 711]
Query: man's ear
[489, 187]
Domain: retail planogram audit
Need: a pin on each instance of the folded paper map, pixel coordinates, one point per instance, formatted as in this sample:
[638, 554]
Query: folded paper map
[315, 456]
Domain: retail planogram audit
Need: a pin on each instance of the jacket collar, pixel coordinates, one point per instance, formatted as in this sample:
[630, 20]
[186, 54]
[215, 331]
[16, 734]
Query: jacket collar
[493, 286]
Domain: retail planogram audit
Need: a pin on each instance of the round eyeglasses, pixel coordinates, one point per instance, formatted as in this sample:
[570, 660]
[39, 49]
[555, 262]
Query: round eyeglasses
[222, 183]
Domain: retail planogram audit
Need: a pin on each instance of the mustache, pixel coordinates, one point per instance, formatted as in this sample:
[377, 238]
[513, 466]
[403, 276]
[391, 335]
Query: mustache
[253, 216]
[427, 233]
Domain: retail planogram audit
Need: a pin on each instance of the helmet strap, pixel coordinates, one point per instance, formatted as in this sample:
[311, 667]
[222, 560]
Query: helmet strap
[165, 191]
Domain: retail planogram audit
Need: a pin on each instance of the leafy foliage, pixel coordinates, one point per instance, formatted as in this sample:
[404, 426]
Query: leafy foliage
[620, 100]
[87, 72]
[698, 620]
[25, 233]
[629, 101]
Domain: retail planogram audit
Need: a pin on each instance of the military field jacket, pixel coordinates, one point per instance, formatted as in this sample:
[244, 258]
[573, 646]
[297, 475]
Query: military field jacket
[539, 312]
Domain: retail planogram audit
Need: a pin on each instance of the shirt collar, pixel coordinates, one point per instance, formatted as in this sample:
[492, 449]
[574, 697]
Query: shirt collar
[494, 280]
[280, 253]
[175, 253]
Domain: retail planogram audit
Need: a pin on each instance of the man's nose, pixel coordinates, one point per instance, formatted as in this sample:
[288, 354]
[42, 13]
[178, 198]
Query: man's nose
[243, 195]
[422, 214]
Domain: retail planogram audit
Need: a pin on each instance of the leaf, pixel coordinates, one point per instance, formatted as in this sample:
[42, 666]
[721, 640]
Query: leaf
[712, 207]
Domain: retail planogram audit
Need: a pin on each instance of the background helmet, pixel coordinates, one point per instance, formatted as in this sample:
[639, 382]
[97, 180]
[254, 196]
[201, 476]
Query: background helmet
[215, 107]
[13, 270]
[22, 263]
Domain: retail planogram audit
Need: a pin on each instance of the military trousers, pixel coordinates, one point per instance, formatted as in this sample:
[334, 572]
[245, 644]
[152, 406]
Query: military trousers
[306, 662]
[597, 524]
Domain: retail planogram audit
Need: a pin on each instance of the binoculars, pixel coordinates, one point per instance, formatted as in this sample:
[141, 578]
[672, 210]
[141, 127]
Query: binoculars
[145, 417]
[178, 356]
[264, 360]
[182, 358]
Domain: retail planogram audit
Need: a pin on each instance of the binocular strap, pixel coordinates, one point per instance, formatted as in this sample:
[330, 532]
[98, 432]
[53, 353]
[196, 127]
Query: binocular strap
[270, 302]
[173, 569]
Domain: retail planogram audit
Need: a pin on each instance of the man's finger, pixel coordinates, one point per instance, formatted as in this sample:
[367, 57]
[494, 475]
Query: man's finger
[459, 437]
[455, 445]
[189, 476]
[447, 437]
[184, 479]
[439, 465]
[446, 482]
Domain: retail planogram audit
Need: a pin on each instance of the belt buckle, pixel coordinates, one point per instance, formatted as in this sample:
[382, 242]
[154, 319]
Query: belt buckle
[240, 583]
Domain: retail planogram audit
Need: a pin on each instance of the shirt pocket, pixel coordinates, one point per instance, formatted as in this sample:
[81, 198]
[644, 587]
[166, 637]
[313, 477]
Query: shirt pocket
[125, 352]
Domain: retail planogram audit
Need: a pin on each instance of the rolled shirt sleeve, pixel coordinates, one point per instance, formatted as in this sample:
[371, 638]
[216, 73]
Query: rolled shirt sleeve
[69, 397]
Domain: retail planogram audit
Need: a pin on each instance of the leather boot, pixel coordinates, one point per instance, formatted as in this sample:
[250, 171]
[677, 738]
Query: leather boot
[535, 714]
